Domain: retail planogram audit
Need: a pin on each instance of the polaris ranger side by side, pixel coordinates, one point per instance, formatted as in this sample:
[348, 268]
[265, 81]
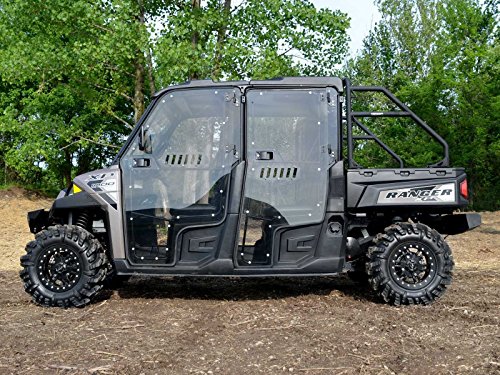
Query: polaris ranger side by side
[251, 178]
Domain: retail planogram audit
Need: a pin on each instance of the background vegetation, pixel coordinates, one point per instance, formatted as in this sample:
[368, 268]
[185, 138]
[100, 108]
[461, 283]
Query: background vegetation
[75, 75]
[442, 58]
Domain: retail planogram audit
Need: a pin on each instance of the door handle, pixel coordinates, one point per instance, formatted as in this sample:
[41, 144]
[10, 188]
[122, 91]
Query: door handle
[264, 155]
[141, 163]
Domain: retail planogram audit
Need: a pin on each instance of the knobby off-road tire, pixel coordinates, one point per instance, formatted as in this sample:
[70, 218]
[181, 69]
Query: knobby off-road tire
[409, 264]
[64, 266]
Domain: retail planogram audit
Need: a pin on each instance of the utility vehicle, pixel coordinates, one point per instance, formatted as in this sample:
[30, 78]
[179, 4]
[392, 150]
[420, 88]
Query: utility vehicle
[252, 178]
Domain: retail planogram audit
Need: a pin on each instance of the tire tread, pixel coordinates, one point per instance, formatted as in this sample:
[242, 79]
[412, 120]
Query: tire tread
[379, 279]
[87, 245]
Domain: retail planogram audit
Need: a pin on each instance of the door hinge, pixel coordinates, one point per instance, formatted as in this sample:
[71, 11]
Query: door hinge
[232, 149]
[329, 100]
[232, 98]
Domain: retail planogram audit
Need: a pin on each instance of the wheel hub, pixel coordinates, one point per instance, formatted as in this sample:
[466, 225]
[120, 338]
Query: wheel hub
[412, 265]
[59, 268]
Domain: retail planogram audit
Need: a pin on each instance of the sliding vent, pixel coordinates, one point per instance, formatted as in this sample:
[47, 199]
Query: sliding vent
[279, 173]
[183, 159]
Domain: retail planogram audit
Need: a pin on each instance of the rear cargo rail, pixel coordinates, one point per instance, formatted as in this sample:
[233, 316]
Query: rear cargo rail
[354, 119]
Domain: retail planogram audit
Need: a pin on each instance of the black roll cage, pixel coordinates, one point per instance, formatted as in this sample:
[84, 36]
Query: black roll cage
[353, 118]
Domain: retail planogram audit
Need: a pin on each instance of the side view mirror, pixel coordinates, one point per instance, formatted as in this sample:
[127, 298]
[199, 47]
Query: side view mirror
[141, 138]
[145, 140]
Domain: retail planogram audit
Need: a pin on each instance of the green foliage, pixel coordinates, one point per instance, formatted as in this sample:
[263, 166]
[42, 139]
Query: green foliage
[75, 75]
[62, 77]
[442, 57]
[256, 39]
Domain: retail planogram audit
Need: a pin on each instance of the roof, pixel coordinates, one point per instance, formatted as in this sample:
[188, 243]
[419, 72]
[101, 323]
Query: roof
[274, 83]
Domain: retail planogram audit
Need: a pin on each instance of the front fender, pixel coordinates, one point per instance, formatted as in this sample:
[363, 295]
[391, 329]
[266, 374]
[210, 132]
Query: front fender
[41, 219]
[38, 220]
[75, 201]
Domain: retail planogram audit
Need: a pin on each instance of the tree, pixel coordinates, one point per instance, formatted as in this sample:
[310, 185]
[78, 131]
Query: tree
[254, 39]
[56, 56]
[77, 75]
[442, 57]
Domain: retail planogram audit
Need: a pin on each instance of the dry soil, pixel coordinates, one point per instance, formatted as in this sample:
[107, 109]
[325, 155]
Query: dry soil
[230, 326]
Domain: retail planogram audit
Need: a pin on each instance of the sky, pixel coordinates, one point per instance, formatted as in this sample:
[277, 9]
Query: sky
[363, 13]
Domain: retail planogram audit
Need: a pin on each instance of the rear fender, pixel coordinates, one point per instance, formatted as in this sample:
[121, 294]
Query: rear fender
[456, 223]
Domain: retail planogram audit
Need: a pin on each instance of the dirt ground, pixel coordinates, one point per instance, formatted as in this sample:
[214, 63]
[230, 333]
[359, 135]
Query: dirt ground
[230, 326]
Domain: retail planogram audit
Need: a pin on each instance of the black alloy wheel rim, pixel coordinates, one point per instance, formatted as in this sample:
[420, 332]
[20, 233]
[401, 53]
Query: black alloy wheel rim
[59, 268]
[413, 265]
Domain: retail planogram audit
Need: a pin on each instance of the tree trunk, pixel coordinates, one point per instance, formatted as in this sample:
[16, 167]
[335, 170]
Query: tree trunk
[152, 86]
[195, 39]
[66, 170]
[139, 90]
[139, 73]
[221, 38]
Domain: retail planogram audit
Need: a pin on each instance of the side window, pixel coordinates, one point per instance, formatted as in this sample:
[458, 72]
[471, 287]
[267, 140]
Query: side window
[292, 126]
[193, 136]
[196, 152]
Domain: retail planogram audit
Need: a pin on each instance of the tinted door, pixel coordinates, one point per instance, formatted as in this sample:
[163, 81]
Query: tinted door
[288, 155]
[180, 179]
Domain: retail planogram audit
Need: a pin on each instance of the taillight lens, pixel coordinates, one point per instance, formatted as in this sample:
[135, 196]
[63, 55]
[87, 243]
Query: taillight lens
[464, 190]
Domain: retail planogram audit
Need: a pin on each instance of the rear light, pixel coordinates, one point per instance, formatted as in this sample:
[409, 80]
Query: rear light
[464, 191]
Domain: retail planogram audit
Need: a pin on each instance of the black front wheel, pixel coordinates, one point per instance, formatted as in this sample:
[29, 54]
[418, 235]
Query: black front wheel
[409, 264]
[64, 266]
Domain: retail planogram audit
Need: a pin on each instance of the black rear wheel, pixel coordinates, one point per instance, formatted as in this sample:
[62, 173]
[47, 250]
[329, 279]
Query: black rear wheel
[409, 264]
[64, 266]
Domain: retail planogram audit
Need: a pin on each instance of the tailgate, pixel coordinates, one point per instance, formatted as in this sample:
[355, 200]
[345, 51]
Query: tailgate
[422, 187]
